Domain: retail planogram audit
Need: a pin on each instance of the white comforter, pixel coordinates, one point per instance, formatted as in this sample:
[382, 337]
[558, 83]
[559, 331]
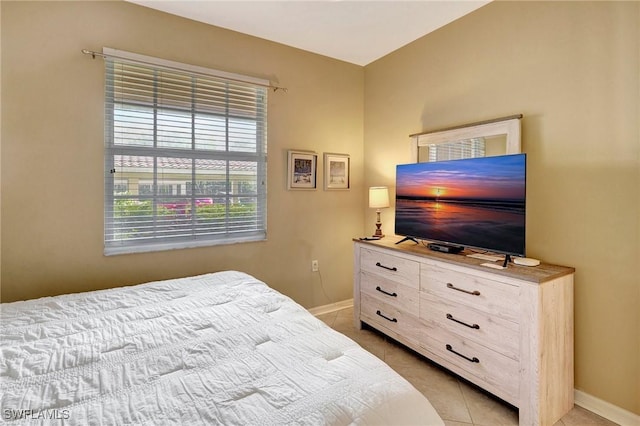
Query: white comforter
[219, 348]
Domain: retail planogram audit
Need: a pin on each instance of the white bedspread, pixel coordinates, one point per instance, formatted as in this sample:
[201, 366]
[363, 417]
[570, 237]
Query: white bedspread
[220, 348]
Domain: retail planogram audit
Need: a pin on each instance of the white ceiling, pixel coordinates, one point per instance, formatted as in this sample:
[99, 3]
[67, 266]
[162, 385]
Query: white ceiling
[355, 31]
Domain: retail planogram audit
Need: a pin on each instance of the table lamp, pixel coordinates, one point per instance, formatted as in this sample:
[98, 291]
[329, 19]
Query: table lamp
[378, 199]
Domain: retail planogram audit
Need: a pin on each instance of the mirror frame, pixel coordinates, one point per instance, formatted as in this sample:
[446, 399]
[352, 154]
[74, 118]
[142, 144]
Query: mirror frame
[509, 126]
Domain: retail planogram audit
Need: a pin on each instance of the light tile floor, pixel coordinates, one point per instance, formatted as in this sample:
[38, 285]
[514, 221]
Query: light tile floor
[457, 401]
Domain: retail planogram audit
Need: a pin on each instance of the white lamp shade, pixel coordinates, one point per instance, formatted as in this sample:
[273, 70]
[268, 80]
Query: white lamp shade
[378, 197]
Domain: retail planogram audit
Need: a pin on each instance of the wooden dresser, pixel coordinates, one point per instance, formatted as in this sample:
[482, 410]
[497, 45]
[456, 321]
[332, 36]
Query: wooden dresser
[508, 331]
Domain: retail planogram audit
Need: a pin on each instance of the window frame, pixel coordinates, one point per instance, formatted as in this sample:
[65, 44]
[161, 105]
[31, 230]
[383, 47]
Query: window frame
[192, 154]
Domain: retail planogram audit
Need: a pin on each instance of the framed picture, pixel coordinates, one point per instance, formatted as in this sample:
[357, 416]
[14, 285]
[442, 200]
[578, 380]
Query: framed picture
[336, 171]
[302, 170]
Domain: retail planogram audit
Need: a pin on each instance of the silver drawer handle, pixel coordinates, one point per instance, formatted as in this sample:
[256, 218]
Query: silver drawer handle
[394, 294]
[475, 292]
[450, 317]
[386, 267]
[450, 349]
[386, 317]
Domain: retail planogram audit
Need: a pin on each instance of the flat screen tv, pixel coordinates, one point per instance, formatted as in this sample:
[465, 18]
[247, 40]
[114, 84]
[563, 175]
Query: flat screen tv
[474, 202]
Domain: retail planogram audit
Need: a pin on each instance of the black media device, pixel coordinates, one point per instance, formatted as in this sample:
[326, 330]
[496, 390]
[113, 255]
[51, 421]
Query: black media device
[445, 248]
[473, 202]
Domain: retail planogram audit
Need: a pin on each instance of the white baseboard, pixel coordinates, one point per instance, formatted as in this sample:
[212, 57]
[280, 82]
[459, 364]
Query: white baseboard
[605, 409]
[326, 309]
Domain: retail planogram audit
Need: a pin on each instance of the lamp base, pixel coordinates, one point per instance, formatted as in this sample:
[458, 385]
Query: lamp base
[378, 233]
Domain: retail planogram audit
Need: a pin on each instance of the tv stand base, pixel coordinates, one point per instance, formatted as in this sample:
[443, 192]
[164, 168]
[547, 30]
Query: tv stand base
[408, 239]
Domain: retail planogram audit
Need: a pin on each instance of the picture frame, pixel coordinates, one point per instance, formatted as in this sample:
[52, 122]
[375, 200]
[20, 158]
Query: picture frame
[337, 169]
[302, 169]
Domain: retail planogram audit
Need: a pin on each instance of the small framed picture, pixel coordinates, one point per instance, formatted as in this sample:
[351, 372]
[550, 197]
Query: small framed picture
[302, 167]
[336, 171]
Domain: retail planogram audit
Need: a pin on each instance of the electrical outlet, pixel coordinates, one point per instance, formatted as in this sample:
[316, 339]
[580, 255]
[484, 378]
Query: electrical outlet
[314, 266]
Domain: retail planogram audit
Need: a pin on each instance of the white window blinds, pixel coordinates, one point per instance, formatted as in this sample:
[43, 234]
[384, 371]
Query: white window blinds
[456, 150]
[185, 155]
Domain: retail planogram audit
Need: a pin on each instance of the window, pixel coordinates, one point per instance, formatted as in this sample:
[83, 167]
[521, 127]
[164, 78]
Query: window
[185, 155]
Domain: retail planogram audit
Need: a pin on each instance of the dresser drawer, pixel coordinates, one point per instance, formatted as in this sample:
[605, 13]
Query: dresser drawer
[497, 298]
[480, 327]
[481, 365]
[398, 295]
[394, 268]
[378, 313]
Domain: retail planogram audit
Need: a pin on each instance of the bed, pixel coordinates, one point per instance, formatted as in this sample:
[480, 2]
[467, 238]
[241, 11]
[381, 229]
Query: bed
[220, 348]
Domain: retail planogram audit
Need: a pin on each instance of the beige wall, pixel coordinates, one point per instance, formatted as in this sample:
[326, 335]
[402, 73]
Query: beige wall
[52, 162]
[573, 70]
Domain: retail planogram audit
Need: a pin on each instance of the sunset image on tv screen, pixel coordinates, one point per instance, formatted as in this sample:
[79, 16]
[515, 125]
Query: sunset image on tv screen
[477, 202]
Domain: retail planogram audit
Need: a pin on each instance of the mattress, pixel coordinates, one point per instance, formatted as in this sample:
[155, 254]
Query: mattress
[214, 349]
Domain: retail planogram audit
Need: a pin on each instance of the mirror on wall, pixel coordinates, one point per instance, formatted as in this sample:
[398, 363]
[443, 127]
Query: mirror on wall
[483, 139]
